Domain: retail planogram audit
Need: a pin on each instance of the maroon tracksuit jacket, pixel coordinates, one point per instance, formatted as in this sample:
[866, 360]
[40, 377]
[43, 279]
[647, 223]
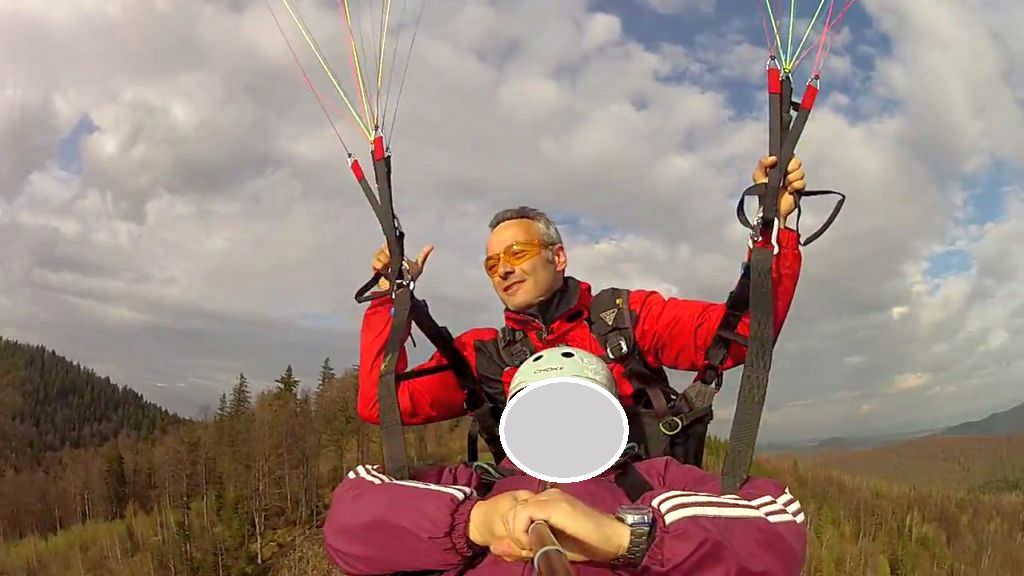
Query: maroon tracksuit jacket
[378, 525]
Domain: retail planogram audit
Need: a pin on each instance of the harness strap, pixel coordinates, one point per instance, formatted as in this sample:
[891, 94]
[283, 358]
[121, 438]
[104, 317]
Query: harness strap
[611, 321]
[783, 138]
[406, 310]
[515, 346]
[736, 305]
[395, 458]
[632, 482]
[484, 420]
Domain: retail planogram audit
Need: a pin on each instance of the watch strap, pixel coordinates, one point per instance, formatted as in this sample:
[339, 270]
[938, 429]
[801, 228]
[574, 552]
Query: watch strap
[641, 533]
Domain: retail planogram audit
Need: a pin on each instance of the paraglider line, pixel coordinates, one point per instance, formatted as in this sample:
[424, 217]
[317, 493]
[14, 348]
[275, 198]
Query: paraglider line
[820, 41]
[819, 60]
[391, 72]
[767, 35]
[355, 56]
[405, 71]
[309, 81]
[385, 19]
[330, 73]
[789, 49]
[775, 26]
[809, 28]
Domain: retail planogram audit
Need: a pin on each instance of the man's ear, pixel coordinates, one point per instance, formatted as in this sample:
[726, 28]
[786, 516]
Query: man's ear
[561, 258]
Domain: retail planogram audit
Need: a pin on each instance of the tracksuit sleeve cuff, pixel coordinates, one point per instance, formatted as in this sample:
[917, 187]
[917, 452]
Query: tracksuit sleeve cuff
[460, 530]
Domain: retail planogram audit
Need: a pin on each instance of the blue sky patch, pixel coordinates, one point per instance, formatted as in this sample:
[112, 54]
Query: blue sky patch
[986, 193]
[948, 263]
[732, 24]
[570, 224]
[985, 203]
[69, 149]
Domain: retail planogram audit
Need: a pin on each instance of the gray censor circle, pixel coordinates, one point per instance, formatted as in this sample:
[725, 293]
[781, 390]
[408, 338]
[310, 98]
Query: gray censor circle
[563, 429]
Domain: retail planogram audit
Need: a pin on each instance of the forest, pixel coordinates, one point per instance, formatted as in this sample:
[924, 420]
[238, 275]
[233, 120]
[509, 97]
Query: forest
[244, 491]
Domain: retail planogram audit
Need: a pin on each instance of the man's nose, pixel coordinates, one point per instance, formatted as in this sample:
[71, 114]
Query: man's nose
[505, 269]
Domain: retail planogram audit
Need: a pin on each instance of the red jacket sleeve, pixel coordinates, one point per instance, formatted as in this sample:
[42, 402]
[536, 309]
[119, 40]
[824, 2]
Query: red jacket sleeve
[761, 530]
[422, 400]
[675, 333]
[372, 515]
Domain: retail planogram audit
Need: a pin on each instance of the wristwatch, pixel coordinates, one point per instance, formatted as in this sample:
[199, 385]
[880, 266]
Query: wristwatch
[640, 520]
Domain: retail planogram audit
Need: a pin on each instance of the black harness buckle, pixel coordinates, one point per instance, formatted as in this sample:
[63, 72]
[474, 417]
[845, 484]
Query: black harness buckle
[617, 347]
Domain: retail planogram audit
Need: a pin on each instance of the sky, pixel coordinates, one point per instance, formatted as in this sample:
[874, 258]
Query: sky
[175, 208]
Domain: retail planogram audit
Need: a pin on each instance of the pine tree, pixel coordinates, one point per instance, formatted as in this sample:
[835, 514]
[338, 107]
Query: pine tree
[289, 383]
[222, 407]
[116, 481]
[241, 399]
[326, 375]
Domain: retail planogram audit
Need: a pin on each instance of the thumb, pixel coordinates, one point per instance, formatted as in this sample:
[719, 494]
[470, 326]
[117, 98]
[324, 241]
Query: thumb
[424, 254]
[507, 550]
[760, 174]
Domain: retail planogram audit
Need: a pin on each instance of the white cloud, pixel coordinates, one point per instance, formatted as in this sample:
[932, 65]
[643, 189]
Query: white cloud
[216, 229]
[912, 381]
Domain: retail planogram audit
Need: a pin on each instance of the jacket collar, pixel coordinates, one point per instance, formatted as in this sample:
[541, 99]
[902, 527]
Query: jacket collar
[574, 296]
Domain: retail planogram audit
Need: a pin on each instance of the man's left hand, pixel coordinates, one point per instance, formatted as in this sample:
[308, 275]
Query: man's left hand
[585, 533]
[793, 184]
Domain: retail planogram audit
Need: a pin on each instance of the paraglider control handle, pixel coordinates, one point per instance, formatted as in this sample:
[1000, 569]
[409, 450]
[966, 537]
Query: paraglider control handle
[362, 295]
[759, 190]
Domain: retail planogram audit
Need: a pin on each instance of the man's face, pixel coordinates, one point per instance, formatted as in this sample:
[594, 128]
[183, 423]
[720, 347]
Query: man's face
[526, 283]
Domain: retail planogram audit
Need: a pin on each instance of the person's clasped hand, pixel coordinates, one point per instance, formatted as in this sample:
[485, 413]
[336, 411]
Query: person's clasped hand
[585, 533]
[487, 525]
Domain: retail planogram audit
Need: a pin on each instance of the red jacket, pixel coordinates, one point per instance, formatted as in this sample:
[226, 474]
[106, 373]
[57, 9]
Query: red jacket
[671, 332]
[379, 525]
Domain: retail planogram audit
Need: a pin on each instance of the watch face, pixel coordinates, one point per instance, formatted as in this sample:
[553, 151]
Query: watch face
[634, 514]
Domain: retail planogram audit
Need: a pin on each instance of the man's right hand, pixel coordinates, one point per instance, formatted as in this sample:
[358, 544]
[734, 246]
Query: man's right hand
[382, 262]
[487, 526]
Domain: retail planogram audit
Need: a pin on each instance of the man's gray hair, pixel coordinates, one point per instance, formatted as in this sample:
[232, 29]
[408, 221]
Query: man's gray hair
[549, 232]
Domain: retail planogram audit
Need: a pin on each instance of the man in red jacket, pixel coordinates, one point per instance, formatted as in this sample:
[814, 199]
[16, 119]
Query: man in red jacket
[527, 264]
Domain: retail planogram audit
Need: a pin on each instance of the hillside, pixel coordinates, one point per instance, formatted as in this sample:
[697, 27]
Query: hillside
[856, 527]
[245, 493]
[836, 443]
[48, 403]
[1000, 423]
[985, 463]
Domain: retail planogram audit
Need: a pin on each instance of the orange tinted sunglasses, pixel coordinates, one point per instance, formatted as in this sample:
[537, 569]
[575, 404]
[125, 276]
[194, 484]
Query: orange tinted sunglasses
[515, 254]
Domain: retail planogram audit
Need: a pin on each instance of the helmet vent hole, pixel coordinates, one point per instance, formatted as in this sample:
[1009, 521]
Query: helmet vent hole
[568, 354]
[538, 357]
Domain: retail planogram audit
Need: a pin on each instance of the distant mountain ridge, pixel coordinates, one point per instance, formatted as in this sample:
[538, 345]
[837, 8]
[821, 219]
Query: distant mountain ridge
[1007, 422]
[48, 403]
[991, 463]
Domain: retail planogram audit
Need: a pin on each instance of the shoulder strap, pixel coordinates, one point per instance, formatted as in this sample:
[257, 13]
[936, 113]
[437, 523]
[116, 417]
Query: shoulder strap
[514, 346]
[611, 322]
[736, 305]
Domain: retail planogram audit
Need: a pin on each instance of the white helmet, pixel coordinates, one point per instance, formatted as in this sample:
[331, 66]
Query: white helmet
[563, 421]
[563, 363]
